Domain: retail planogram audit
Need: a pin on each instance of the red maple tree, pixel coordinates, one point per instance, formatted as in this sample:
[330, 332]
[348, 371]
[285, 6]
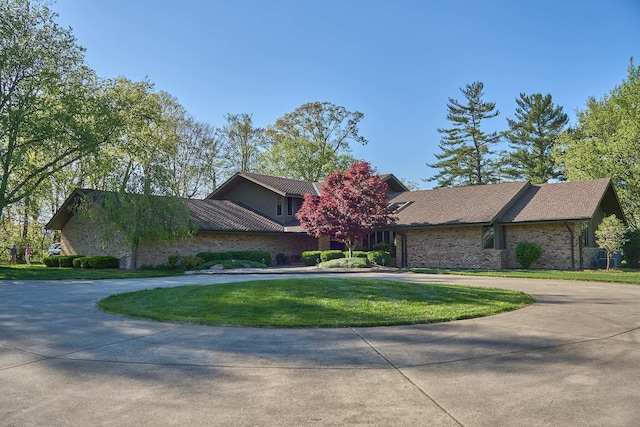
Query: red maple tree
[350, 206]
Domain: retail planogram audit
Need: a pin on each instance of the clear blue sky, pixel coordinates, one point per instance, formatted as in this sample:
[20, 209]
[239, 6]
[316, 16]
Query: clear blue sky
[397, 62]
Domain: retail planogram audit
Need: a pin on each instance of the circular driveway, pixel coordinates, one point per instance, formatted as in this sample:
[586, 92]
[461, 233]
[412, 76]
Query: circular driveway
[572, 358]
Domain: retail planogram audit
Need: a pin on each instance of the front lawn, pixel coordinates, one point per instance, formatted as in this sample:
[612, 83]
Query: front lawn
[325, 302]
[41, 272]
[614, 275]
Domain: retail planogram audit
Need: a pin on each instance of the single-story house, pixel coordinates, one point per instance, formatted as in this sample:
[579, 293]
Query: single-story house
[461, 227]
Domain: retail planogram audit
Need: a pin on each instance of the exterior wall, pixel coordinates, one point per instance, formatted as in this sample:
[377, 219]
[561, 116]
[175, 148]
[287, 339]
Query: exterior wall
[450, 247]
[291, 245]
[263, 201]
[79, 238]
[554, 239]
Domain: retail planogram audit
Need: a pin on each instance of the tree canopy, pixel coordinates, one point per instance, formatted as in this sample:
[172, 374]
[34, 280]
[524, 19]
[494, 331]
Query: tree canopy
[466, 156]
[351, 205]
[311, 141]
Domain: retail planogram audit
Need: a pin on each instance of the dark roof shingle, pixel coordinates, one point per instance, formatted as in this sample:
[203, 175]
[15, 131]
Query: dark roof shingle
[224, 215]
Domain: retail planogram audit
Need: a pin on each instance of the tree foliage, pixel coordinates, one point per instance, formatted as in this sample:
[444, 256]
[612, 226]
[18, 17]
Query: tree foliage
[312, 141]
[466, 156]
[52, 111]
[242, 143]
[611, 236]
[605, 143]
[532, 135]
[351, 205]
[135, 218]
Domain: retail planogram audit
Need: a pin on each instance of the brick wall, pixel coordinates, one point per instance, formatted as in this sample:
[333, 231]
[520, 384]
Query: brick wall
[554, 239]
[288, 244]
[450, 247]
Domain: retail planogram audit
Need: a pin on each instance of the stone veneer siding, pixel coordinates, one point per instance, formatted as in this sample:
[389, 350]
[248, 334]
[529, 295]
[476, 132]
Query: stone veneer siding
[554, 239]
[79, 238]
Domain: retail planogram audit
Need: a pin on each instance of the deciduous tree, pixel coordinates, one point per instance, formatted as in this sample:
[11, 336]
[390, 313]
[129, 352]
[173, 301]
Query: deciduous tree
[351, 205]
[611, 236]
[312, 141]
[466, 156]
[242, 143]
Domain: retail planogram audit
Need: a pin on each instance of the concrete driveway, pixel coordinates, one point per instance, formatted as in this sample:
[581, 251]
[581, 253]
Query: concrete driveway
[572, 358]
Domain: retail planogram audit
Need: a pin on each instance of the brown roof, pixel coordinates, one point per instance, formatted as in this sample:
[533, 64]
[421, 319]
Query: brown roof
[458, 205]
[224, 215]
[573, 200]
[282, 186]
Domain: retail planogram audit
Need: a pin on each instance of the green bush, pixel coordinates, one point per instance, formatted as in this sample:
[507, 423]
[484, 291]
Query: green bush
[355, 262]
[230, 264]
[310, 257]
[226, 255]
[77, 263]
[208, 256]
[188, 262]
[329, 255]
[51, 261]
[172, 261]
[382, 247]
[527, 253]
[379, 257]
[631, 248]
[101, 262]
[67, 260]
[356, 254]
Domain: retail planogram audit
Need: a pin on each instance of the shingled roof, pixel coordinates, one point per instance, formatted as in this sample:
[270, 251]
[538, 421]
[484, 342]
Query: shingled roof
[282, 186]
[224, 215]
[574, 200]
[481, 204]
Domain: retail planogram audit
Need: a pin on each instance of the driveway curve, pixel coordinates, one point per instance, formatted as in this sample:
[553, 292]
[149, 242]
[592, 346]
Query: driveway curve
[572, 358]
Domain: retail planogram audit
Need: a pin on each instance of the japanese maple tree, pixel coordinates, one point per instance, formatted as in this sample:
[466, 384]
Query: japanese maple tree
[350, 206]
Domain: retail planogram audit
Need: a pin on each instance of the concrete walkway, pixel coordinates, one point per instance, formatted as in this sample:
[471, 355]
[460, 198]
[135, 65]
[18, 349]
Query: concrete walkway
[572, 358]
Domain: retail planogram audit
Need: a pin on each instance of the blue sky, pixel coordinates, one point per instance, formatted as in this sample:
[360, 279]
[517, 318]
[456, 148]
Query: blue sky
[397, 62]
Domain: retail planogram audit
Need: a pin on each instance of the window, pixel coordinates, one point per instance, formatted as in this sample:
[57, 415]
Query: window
[488, 238]
[290, 206]
[279, 206]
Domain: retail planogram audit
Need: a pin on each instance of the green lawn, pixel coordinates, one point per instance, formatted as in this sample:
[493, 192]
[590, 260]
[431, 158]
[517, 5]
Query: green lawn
[614, 275]
[41, 272]
[326, 302]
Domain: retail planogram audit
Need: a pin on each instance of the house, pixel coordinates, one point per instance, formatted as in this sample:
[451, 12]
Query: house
[461, 227]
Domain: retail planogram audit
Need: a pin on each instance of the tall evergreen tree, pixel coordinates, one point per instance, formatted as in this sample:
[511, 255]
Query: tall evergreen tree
[532, 135]
[466, 157]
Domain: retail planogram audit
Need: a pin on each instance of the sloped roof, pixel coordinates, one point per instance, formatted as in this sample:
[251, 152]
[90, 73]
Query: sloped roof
[481, 204]
[574, 200]
[224, 215]
[282, 186]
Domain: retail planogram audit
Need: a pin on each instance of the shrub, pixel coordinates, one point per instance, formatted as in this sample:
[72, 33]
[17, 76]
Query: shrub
[356, 254]
[527, 253]
[67, 260]
[381, 247]
[77, 263]
[173, 261]
[208, 256]
[631, 248]
[379, 257]
[355, 262]
[188, 262]
[226, 255]
[51, 261]
[101, 262]
[229, 264]
[310, 257]
[329, 255]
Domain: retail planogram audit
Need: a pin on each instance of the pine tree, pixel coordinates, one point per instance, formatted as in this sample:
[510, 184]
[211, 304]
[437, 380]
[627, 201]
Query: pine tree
[466, 157]
[532, 136]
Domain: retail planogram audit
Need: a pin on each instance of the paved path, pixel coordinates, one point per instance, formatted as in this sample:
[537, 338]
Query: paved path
[572, 358]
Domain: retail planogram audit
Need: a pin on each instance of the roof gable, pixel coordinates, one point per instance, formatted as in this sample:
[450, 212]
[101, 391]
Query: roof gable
[481, 204]
[573, 200]
[281, 186]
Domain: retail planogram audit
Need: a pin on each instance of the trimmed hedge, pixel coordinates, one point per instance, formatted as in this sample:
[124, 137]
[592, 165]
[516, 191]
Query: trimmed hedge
[310, 257]
[79, 261]
[379, 257]
[527, 253]
[355, 262]
[356, 254]
[329, 255]
[189, 262]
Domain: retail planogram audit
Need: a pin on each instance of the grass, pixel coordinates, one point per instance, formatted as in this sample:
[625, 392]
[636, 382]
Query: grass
[41, 272]
[613, 276]
[326, 302]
